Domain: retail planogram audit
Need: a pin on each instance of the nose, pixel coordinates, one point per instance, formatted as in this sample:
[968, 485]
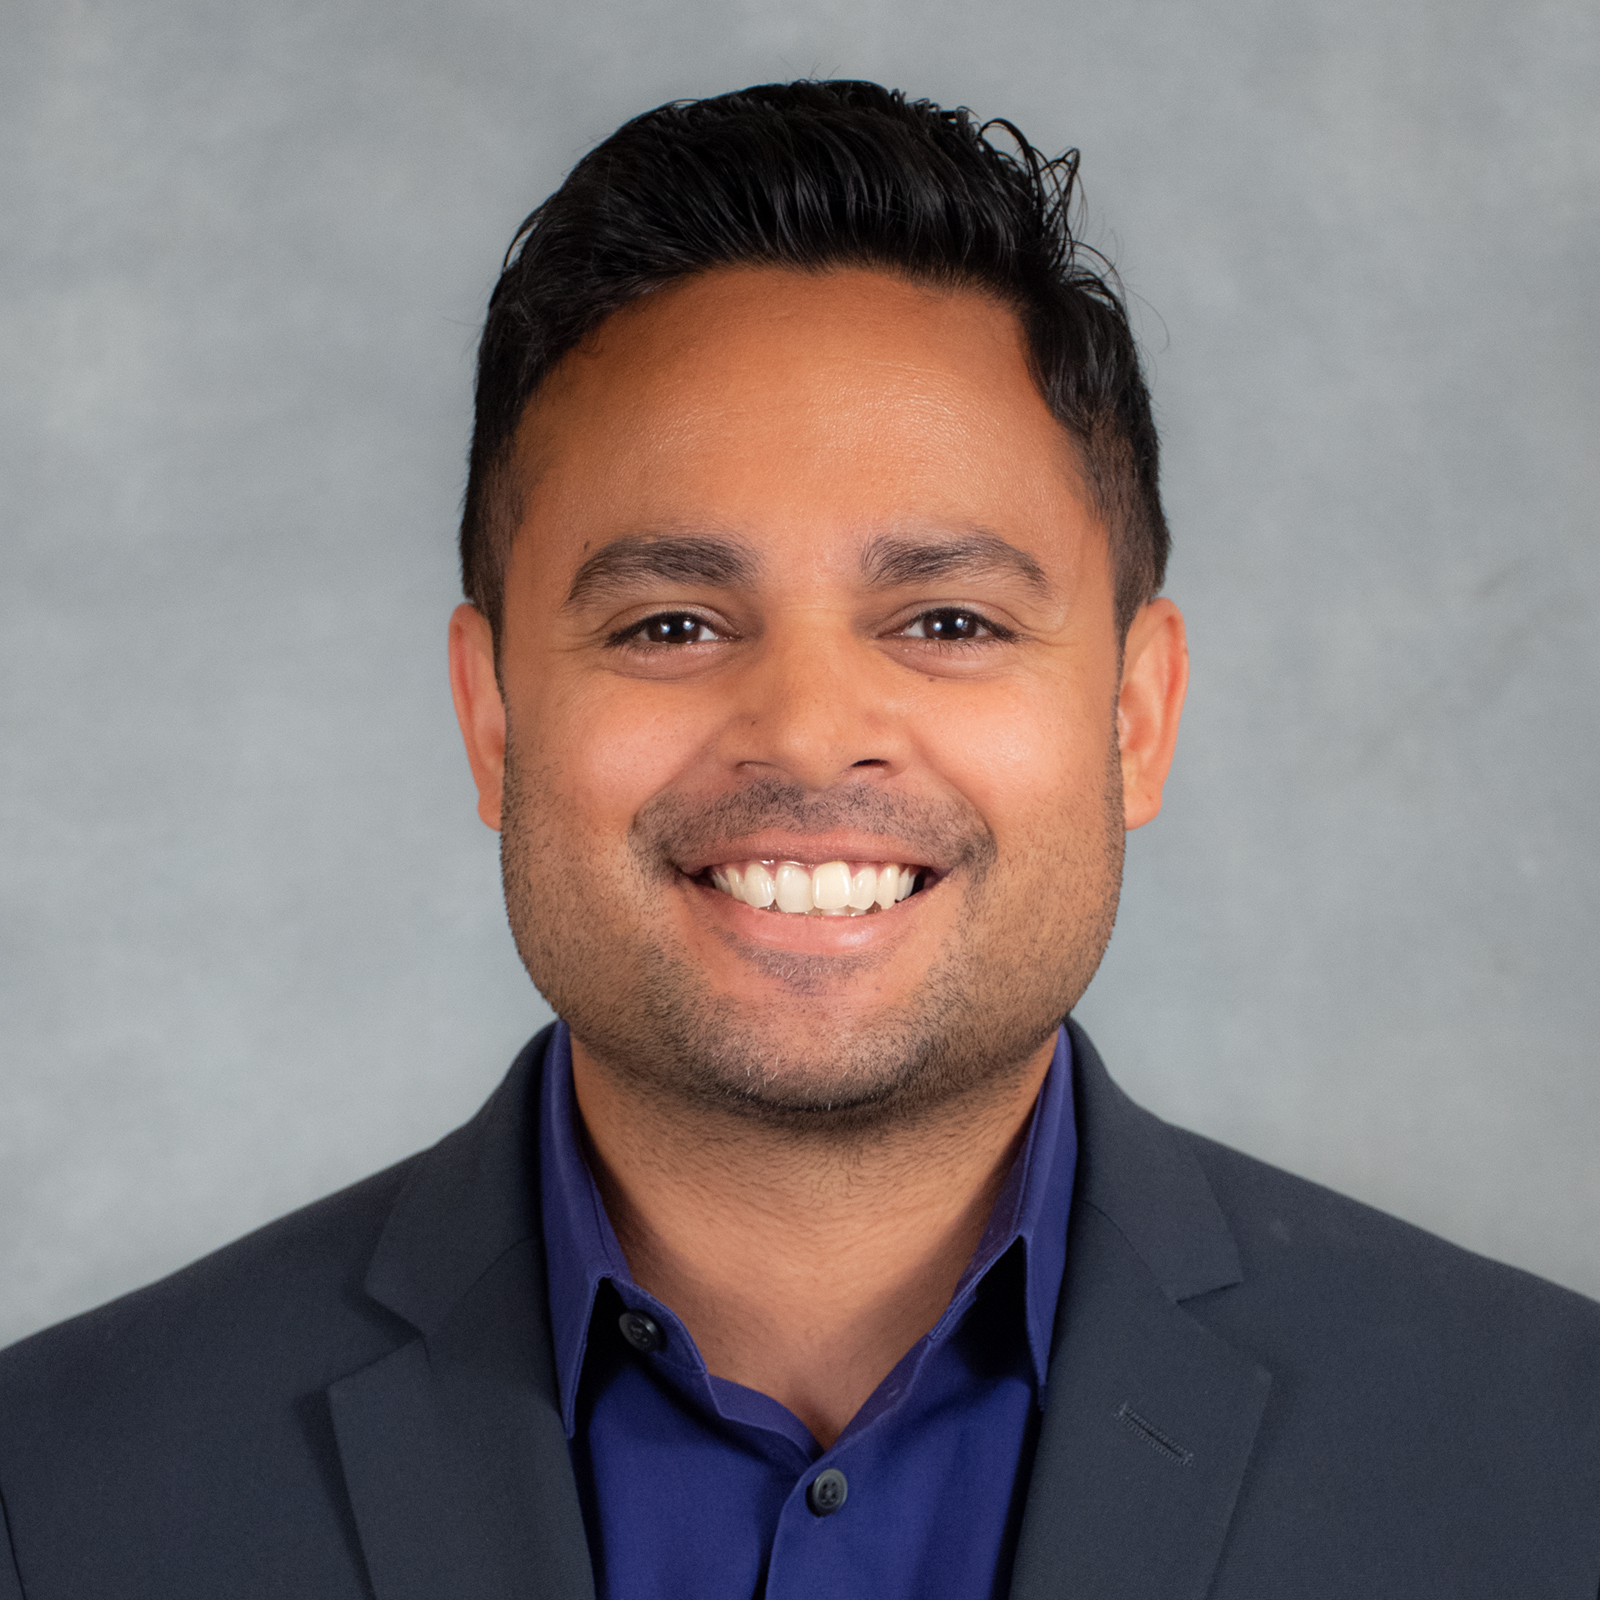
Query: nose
[816, 702]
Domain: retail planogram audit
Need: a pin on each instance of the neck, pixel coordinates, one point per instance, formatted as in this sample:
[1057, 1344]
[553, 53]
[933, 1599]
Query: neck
[803, 1268]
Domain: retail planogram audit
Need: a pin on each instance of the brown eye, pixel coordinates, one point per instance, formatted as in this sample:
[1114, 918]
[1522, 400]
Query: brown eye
[950, 627]
[673, 627]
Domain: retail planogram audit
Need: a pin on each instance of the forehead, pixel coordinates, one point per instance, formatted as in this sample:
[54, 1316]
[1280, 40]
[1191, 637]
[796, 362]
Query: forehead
[826, 408]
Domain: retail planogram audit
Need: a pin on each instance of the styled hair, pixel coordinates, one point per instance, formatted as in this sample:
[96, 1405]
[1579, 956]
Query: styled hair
[811, 176]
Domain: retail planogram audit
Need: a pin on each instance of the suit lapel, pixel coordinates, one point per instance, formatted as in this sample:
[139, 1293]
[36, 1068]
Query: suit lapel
[452, 1447]
[1150, 1417]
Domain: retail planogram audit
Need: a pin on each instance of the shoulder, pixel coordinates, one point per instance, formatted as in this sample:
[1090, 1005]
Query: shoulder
[175, 1441]
[275, 1298]
[1430, 1419]
[293, 1302]
[181, 1440]
[1288, 1262]
[1423, 1370]
[1323, 1259]
[1424, 1410]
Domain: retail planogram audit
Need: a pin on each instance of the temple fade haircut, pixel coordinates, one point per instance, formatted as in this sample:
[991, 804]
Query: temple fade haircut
[811, 176]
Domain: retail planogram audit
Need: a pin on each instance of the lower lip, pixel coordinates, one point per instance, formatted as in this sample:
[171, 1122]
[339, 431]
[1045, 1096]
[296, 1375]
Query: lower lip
[784, 930]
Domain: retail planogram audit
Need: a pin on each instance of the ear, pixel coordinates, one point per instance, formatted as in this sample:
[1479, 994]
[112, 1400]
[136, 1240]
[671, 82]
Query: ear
[1155, 673]
[479, 708]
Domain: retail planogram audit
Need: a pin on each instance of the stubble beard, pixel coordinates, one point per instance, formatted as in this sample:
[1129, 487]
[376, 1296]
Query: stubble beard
[1017, 960]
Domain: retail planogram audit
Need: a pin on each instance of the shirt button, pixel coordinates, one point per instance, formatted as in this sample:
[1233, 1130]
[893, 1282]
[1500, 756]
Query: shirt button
[642, 1332]
[827, 1492]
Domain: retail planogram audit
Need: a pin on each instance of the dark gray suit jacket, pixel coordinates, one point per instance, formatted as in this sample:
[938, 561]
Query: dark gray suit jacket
[1257, 1389]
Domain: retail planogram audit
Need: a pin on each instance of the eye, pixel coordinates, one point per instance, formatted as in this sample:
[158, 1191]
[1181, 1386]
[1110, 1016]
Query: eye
[951, 625]
[668, 627]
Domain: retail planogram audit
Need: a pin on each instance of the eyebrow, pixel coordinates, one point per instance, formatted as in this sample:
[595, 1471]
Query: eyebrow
[891, 560]
[673, 557]
[888, 561]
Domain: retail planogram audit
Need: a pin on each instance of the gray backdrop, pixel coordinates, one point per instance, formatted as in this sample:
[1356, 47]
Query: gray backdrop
[252, 945]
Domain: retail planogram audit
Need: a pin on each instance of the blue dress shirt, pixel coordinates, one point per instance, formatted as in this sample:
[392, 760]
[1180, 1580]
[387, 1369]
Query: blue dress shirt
[697, 1488]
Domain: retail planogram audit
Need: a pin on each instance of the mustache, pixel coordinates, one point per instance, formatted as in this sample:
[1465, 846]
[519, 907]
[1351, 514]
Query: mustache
[671, 826]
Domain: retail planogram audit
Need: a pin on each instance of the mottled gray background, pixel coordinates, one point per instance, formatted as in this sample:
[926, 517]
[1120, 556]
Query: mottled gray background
[251, 944]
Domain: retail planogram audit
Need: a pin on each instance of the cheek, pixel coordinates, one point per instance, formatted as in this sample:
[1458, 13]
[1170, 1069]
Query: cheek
[606, 749]
[1030, 764]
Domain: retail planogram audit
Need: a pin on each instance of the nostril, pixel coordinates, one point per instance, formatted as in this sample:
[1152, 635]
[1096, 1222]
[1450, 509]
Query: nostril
[870, 761]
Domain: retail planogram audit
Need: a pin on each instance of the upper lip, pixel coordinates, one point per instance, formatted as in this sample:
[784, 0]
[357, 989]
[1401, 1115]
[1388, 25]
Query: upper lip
[811, 850]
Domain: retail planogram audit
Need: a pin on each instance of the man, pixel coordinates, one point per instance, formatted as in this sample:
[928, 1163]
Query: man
[812, 670]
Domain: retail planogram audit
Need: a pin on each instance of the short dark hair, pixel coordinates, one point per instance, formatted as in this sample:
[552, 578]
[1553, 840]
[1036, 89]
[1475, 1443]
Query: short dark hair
[808, 176]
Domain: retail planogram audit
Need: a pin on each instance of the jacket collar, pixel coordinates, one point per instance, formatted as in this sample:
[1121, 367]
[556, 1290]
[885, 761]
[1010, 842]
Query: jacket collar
[1142, 1176]
[452, 1448]
[466, 1202]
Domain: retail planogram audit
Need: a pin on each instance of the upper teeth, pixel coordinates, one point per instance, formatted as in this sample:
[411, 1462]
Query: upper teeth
[835, 889]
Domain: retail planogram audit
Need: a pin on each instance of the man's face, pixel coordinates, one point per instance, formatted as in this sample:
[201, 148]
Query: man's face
[806, 574]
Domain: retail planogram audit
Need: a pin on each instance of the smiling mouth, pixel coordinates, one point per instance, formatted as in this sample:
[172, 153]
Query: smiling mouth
[832, 889]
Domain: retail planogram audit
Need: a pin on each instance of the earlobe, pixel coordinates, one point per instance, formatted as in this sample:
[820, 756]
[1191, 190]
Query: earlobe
[1155, 674]
[479, 707]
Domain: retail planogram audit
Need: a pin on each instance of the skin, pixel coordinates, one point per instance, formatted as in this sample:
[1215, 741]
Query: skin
[896, 643]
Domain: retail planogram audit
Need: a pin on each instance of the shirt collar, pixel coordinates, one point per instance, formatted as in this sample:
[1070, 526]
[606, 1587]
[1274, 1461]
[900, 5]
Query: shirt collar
[582, 1252]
